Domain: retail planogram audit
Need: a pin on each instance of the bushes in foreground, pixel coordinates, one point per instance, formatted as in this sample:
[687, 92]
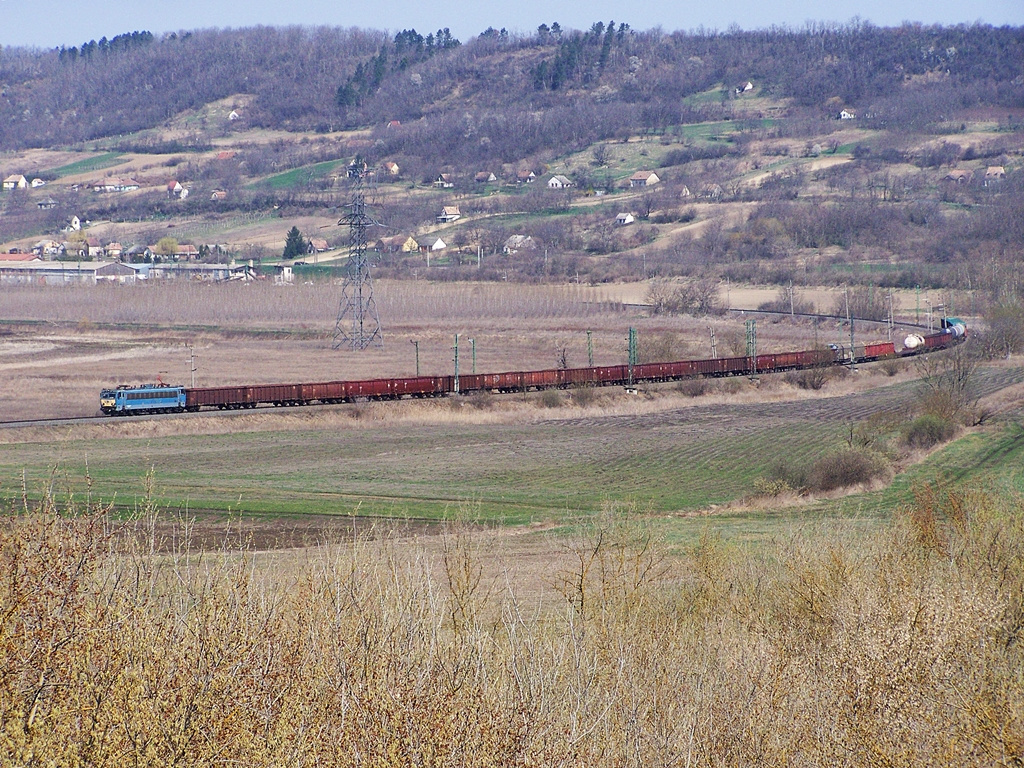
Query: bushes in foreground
[825, 649]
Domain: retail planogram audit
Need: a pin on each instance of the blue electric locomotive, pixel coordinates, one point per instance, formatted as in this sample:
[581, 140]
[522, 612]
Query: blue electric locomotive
[148, 398]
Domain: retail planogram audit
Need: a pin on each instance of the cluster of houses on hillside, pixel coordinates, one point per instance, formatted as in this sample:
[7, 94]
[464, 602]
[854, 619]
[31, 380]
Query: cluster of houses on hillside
[36, 272]
[108, 264]
[526, 176]
[432, 244]
[90, 261]
[109, 184]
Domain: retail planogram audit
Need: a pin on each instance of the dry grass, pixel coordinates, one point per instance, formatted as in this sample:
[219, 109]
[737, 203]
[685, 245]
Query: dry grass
[599, 648]
[263, 305]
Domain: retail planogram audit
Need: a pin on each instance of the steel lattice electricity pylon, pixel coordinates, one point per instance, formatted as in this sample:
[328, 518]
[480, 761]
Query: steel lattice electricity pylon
[358, 325]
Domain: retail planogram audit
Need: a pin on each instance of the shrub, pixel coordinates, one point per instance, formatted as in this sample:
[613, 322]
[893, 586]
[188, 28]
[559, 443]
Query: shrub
[768, 486]
[892, 366]
[693, 387]
[784, 473]
[583, 396]
[929, 430]
[850, 466]
[551, 398]
[482, 400]
[810, 378]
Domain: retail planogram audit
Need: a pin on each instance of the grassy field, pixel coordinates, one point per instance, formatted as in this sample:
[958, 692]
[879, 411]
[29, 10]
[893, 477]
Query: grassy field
[296, 177]
[97, 163]
[530, 464]
[545, 471]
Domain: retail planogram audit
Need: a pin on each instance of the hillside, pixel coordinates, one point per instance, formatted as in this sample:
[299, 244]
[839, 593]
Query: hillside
[856, 154]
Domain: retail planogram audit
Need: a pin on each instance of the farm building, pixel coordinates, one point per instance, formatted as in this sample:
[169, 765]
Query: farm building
[65, 272]
[202, 272]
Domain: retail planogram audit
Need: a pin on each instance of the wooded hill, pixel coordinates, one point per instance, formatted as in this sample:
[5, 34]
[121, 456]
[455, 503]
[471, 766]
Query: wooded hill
[758, 171]
[500, 97]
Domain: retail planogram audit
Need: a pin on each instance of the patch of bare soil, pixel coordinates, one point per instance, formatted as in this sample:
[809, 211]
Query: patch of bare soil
[197, 530]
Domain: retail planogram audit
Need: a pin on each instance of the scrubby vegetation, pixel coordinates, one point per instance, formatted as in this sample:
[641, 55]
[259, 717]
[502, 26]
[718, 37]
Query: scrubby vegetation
[822, 648]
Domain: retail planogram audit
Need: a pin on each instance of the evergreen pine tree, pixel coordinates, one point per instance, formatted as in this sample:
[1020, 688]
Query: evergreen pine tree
[294, 244]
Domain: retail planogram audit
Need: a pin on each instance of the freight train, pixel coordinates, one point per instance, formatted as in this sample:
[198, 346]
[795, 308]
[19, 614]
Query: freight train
[160, 398]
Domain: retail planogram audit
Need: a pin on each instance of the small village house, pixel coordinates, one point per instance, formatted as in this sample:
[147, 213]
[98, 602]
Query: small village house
[518, 243]
[15, 181]
[317, 245]
[449, 213]
[644, 179]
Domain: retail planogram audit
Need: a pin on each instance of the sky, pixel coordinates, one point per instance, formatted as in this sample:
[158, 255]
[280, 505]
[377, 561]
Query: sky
[52, 23]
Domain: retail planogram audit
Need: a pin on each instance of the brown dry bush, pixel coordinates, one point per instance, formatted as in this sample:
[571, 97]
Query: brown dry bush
[694, 387]
[584, 397]
[850, 466]
[551, 398]
[824, 648]
[811, 378]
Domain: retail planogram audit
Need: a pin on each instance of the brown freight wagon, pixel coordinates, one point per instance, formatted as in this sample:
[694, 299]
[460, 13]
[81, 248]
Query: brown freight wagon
[216, 397]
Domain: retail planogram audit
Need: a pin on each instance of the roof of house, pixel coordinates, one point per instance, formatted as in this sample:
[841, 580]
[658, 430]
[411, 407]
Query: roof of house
[642, 175]
[519, 241]
[450, 210]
